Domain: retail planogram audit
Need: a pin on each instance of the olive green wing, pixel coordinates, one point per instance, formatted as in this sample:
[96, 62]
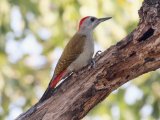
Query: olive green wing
[72, 50]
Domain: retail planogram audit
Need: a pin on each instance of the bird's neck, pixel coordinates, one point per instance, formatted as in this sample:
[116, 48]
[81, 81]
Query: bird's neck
[85, 32]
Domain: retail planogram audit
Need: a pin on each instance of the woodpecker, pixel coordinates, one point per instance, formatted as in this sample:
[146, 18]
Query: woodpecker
[77, 53]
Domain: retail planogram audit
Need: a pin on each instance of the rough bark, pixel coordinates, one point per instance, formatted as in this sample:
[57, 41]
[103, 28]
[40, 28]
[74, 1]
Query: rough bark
[135, 55]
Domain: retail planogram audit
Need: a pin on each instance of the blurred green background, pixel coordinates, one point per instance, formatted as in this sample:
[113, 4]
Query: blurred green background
[33, 34]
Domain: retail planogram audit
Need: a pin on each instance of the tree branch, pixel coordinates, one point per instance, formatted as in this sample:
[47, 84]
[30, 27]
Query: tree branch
[135, 55]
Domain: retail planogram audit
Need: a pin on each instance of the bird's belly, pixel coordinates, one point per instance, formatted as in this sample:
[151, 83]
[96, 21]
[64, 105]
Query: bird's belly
[84, 58]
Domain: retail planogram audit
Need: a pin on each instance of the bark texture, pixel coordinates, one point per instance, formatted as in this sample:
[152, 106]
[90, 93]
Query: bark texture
[135, 55]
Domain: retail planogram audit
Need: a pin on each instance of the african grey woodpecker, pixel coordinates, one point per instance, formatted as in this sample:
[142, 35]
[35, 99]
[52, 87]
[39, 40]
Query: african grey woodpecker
[77, 53]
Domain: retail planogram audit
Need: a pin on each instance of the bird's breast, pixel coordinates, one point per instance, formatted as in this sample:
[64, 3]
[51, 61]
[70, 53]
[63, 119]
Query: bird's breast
[88, 48]
[85, 56]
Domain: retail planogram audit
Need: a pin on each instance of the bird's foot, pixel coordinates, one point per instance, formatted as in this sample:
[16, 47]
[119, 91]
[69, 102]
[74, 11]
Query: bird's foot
[98, 53]
[92, 63]
[93, 60]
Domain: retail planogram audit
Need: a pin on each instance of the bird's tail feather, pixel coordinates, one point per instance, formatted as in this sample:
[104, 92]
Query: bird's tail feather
[47, 94]
[51, 87]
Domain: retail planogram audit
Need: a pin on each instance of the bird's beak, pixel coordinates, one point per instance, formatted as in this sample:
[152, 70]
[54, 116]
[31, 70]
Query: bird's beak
[99, 20]
[103, 19]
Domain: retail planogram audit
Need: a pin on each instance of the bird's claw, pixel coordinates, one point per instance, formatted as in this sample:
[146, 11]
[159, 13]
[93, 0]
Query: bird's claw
[98, 53]
[92, 63]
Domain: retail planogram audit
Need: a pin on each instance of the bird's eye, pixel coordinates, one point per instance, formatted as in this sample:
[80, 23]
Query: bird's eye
[92, 19]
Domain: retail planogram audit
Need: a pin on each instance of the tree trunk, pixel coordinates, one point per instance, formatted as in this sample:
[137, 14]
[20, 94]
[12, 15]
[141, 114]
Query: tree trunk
[133, 56]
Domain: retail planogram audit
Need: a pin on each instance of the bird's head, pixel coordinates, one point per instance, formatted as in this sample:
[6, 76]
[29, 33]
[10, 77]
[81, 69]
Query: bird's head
[90, 22]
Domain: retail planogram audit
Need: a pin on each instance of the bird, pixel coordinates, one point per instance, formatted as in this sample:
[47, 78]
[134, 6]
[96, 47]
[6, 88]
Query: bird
[77, 53]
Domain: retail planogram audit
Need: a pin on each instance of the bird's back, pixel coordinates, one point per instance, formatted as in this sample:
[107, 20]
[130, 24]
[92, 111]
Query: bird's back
[71, 52]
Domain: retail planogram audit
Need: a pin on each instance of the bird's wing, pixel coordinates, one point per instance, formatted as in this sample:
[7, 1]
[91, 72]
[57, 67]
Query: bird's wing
[72, 50]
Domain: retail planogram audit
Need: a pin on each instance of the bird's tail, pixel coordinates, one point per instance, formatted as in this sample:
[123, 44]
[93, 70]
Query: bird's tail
[47, 94]
[51, 87]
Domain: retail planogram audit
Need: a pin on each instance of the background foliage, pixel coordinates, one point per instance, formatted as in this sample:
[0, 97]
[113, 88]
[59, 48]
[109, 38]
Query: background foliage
[33, 34]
